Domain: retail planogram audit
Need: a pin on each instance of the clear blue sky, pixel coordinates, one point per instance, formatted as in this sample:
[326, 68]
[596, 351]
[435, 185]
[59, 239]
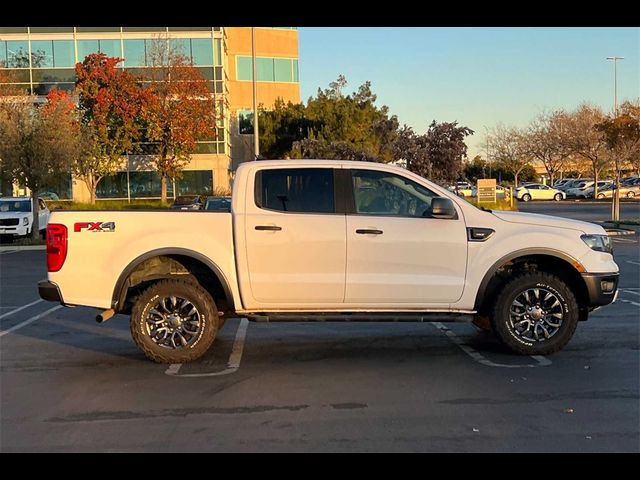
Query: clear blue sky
[477, 76]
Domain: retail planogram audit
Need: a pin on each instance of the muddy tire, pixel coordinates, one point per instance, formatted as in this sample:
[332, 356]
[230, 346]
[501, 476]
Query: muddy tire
[174, 321]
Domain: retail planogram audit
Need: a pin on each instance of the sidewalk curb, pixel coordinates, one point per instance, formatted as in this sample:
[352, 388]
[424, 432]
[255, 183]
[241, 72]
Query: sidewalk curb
[22, 247]
[633, 229]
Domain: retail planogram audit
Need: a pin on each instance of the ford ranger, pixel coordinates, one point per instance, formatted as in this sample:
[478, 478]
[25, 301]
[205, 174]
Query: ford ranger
[330, 240]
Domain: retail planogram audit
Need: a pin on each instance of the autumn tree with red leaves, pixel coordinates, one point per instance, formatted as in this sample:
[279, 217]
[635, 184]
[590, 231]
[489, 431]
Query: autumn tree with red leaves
[111, 103]
[181, 109]
[38, 143]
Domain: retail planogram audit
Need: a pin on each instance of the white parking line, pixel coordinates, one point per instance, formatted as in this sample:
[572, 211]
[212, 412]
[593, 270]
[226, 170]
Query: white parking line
[633, 262]
[20, 308]
[234, 359]
[626, 290]
[629, 301]
[542, 361]
[8, 252]
[28, 321]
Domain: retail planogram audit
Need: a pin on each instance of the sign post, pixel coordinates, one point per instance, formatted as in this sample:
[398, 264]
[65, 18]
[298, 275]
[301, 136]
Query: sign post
[487, 190]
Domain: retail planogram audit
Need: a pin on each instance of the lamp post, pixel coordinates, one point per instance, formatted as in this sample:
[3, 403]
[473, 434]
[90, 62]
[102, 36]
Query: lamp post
[487, 137]
[256, 140]
[615, 198]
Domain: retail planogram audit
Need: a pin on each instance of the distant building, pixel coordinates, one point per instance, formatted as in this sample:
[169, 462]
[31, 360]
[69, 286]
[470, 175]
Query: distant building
[41, 58]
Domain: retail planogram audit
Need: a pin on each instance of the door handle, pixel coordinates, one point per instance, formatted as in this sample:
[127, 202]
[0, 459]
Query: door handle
[369, 231]
[269, 228]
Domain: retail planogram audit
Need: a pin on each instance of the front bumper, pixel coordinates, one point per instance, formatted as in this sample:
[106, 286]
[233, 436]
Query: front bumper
[49, 291]
[16, 231]
[598, 286]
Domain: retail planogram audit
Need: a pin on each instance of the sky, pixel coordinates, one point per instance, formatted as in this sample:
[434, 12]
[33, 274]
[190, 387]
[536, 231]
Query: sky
[477, 76]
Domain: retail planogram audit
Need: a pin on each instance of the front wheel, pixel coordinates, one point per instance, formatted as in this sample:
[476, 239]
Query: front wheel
[174, 321]
[557, 197]
[601, 196]
[526, 197]
[535, 314]
[631, 194]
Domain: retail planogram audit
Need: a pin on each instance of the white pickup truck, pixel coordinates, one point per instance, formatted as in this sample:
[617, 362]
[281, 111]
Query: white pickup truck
[330, 240]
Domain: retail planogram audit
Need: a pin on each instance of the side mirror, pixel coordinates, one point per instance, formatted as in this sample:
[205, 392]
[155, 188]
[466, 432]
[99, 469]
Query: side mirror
[443, 208]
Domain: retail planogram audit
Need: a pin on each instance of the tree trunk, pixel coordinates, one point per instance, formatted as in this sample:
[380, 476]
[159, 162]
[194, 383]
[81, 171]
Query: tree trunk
[163, 188]
[595, 184]
[93, 187]
[35, 208]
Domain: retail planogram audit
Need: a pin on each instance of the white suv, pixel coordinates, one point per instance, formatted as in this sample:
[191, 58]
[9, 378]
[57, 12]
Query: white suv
[16, 216]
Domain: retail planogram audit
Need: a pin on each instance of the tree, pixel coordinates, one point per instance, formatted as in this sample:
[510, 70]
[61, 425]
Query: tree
[546, 140]
[445, 149]
[111, 103]
[37, 144]
[622, 138]
[413, 149]
[509, 149]
[180, 109]
[586, 141]
[475, 169]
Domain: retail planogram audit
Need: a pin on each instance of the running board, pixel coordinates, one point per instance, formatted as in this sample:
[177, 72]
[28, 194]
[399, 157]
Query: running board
[361, 317]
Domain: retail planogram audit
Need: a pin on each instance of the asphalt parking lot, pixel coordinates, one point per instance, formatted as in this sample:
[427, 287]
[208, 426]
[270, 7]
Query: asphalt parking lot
[68, 384]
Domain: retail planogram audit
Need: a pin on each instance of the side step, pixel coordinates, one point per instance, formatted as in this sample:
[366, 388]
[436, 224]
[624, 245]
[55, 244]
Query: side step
[361, 317]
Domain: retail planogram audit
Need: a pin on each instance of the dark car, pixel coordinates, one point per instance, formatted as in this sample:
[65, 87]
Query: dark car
[188, 202]
[218, 204]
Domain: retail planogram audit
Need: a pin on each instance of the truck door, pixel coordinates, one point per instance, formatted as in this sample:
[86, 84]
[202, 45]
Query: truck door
[397, 254]
[295, 242]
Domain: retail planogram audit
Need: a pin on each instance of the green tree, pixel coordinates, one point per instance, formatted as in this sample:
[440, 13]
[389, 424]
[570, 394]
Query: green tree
[446, 149]
[475, 169]
[111, 103]
[37, 144]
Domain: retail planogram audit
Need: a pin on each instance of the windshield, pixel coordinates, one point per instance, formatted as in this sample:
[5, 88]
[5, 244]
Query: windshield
[15, 205]
[185, 200]
[218, 204]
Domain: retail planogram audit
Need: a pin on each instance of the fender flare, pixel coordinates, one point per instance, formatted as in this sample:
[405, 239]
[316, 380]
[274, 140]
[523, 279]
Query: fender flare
[120, 287]
[525, 252]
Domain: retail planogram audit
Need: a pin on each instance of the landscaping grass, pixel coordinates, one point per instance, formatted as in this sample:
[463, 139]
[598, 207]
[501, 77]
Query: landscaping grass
[111, 205]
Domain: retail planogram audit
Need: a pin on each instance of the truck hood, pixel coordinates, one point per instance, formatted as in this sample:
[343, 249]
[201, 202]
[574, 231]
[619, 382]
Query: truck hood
[548, 221]
[15, 214]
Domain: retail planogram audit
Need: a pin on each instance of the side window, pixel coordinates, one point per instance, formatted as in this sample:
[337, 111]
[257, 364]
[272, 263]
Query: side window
[382, 193]
[302, 190]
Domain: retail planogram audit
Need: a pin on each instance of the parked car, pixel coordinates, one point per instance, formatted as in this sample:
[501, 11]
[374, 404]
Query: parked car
[218, 204]
[561, 182]
[573, 183]
[538, 191]
[326, 240]
[588, 192]
[16, 216]
[500, 191]
[462, 189]
[579, 188]
[628, 191]
[188, 202]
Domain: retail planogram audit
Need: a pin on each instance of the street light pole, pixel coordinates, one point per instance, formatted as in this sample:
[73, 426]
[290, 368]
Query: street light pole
[256, 139]
[615, 198]
[487, 138]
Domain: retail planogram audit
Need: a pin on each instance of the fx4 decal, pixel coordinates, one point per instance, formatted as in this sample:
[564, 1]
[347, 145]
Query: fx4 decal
[94, 226]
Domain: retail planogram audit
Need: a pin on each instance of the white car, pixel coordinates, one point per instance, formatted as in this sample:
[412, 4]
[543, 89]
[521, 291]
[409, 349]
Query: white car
[538, 191]
[330, 240]
[16, 216]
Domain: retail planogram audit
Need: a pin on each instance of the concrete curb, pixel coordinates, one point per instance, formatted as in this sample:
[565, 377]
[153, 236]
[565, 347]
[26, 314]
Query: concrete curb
[22, 247]
[612, 226]
[617, 232]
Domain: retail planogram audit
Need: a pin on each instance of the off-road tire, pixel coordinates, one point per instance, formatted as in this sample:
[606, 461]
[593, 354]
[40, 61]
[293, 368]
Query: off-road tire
[194, 293]
[500, 314]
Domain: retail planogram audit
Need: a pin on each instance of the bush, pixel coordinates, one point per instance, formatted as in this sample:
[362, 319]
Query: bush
[110, 205]
[498, 205]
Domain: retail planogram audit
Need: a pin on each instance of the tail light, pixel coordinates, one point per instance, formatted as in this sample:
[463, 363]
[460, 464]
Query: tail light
[56, 246]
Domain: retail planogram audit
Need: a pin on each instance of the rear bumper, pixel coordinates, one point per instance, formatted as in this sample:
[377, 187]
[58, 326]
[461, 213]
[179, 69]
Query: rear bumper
[599, 296]
[49, 291]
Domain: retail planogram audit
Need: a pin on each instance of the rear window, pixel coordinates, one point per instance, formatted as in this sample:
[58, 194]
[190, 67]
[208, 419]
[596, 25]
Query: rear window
[302, 190]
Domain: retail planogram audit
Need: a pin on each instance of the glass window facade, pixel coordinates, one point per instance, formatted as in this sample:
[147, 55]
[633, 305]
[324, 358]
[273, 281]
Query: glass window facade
[134, 53]
[148, 185]
[267, 69]
[86, 47]
[110, 48]
[245, 122]
[42, 53]
[63, 54]
[17, 53]
[195, 182]
[202, 51]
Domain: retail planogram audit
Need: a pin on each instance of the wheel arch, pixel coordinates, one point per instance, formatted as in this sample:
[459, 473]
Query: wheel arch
[544, 259]
[195, 264]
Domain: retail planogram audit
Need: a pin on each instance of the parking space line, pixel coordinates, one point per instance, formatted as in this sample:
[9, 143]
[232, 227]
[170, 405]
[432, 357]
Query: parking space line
[234, 358]
[20, 308]
[8, 252]
[542, 361]
[626, 290]
[633, 262]
[629, 301]
[28, 321]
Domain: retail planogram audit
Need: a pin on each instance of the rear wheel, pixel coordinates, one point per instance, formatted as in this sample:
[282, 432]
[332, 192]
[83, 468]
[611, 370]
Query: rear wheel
[535, 314]
[631, 194]
[526, 197]
[557, 197]
[601, 196]
[174, 321]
